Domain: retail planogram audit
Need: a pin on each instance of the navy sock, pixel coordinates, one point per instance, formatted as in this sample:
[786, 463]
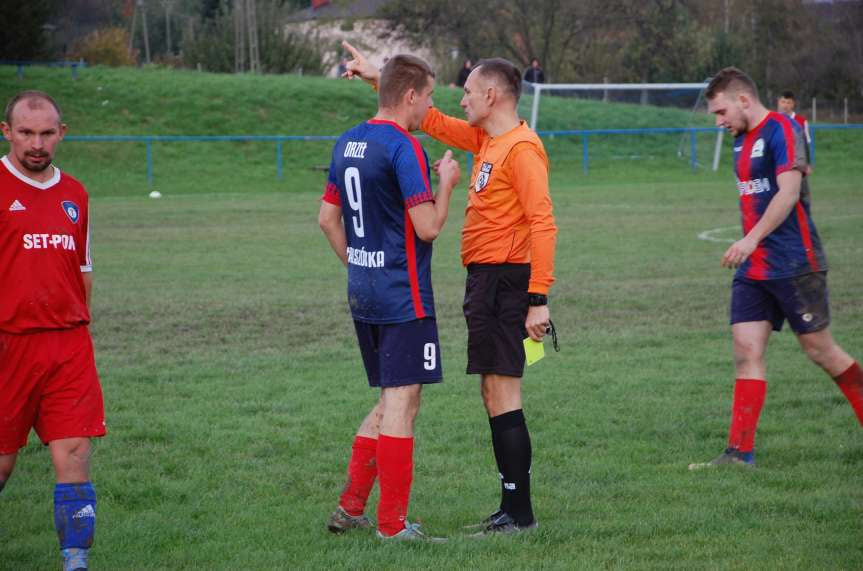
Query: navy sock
[510, 433]
[75, 514]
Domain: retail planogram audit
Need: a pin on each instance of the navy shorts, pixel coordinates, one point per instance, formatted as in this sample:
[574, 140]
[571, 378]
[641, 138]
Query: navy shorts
[495, 308]
[399, 354]
[802, 300]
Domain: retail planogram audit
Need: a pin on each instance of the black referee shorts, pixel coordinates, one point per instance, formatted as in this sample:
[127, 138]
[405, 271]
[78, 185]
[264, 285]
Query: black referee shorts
[495, 308]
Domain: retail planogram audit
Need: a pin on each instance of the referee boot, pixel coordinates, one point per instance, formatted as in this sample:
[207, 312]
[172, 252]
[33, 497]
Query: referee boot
[505, 524]
[485, 523]
[731, 457]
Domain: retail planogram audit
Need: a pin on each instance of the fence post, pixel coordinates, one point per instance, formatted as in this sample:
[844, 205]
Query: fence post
[149, 162]
[20, 71]
[717, 150]
[279, 159]
[584, 155]
[693, 149]
[811, 146]
[534, 112]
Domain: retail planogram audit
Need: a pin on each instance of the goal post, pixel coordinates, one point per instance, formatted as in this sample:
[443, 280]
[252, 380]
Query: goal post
[687, 97]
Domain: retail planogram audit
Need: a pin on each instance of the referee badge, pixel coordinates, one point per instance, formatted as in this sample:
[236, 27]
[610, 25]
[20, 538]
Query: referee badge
[483, 176]
[71, 210]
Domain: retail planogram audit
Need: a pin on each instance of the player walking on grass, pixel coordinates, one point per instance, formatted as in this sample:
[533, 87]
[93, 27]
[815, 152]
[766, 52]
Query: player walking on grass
[380, 217]
[508, 243]
[48, 378]
[781, 267]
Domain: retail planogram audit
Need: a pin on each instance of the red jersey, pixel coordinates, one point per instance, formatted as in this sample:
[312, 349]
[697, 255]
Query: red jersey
[44, 247]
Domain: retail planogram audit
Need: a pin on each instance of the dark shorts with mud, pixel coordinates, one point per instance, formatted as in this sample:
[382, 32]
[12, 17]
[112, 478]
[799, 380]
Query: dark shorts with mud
[802, 300]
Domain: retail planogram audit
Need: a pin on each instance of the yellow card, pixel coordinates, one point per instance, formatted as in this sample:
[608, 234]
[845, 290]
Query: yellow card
[533, 351]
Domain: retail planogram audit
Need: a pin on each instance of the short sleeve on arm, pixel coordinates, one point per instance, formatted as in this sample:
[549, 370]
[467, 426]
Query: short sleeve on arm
[788, 149]
[84, 258]
[411, 166]
[331, 191]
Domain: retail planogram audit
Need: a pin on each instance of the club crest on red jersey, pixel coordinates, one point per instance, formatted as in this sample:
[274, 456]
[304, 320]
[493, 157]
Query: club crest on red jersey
[71, 210]
[483, 176]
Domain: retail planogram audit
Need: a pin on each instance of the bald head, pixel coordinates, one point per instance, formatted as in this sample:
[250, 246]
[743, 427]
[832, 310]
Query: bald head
[32, 100]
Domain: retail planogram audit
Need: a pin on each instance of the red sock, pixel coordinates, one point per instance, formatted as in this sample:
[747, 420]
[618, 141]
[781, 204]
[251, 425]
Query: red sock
[395, 471]
[748, 400]
[851, 384]
[362, 471]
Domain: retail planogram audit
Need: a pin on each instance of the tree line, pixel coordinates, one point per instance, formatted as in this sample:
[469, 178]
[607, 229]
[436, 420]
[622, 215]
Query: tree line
[812, 47]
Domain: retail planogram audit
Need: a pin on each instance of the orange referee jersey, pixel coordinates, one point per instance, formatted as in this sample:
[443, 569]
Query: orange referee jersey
[509, 217]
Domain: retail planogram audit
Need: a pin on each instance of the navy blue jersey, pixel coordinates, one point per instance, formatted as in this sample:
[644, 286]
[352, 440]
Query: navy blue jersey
[378, 172]
[774, 146]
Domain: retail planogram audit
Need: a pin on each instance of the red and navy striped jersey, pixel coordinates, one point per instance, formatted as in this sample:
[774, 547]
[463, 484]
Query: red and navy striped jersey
[774, 146]
[377, 173]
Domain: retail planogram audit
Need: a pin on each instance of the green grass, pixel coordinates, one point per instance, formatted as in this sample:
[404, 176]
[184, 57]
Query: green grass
[233, 386]
[153, 101]
[233, 383]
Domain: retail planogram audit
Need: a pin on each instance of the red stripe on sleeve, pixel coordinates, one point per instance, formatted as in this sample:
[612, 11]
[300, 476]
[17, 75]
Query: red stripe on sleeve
[413, 277]
[331, 195]
[806, 236]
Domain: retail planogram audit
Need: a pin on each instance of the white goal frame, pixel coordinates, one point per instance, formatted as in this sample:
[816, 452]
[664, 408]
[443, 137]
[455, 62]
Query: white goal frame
[537, 88]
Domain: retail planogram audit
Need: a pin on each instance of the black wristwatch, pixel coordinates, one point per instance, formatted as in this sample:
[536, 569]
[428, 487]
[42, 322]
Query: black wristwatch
[537, 299]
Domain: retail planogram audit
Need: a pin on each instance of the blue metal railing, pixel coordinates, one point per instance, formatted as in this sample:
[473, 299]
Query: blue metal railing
[279, 141]
[20, 64]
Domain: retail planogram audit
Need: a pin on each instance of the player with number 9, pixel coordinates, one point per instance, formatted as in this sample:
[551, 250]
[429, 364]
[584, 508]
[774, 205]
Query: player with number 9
[383, 236]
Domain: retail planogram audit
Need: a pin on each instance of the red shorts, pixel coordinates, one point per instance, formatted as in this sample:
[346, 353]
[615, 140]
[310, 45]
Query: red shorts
[48, 381]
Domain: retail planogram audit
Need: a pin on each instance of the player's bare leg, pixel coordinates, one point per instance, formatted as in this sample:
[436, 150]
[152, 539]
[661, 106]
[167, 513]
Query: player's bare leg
[71, 459]
[370, 427]
[827, 354]
[7, 464]
[362, 472]
[74, 500]
[395, 461]
[400, 408]
[750, 387]
[501, 396]
[750, 347]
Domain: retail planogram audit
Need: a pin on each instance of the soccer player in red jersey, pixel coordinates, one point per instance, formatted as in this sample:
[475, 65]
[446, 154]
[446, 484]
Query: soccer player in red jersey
[781, 267]
[48, 379]
[380, 216]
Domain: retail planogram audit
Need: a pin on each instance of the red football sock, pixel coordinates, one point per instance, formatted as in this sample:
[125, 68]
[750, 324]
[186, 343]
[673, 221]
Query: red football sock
[395, 471]
[851, 384]
[748, 400]
[362, 471]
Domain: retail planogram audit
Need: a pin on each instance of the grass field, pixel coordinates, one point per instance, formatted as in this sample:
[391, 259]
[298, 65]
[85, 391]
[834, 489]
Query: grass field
[233, 386]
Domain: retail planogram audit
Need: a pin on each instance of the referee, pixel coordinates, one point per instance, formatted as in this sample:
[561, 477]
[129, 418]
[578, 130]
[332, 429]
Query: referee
[508, 244]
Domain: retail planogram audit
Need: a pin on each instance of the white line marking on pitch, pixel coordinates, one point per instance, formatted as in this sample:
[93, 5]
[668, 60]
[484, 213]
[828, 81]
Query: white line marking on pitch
[710, 235]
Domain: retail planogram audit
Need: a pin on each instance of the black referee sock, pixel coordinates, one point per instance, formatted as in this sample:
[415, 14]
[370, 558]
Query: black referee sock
[498, 458]
[513, 451]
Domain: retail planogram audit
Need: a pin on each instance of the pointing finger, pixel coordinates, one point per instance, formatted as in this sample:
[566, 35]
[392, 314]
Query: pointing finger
[356, 54]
